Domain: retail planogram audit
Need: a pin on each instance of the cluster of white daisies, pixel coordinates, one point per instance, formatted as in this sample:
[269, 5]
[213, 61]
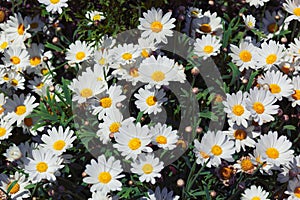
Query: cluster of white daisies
[135, 63]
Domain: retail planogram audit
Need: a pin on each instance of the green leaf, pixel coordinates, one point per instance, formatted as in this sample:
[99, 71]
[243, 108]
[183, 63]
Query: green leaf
[53, 47]
[289, 127]
[251, 79]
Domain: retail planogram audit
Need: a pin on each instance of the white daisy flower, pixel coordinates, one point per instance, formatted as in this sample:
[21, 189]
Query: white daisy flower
[150, 100]
[19, 107]
[54, 6]
[272, 25]
[235, 107]
[201, 155]
[255, 192]
[164, 137]
[13, 153]
[3, 99]
[208, 24]
[43, 165]
[244, 55]
[100, 196]
[132, 140]
[35, 23]
[38, 83]
[35, 54]
[207, 46]
[146, 47]
[108, 100]
[16, 81]
[260, 103]
[256, 158]
[78, 52]
[5, 129]
[280, 85]
[124, 54]
[245, 165]
[157, 72]
[194, 12]
[295, 47]
[270, 54]
[4, 42]
[18, 191]
[289, 171]
[58, 140]
[242, 135]
[147, 167]
[295, 97]
[99, 73]
[218, 146]
[274, 150]
[85, 87]
[111, 124]
[160, 194]
[16, 58]
[94, 16]
[249, 21]
[155, 26]
[293, 189]
[103, 175]
[292, 7]
[102, 57]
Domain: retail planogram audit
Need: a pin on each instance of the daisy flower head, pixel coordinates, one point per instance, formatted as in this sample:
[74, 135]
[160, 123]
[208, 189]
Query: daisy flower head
[270, 54]
[94, 16]
[58, 140]
[35, 23]
[15, 57]
[194, 12]
[18, 191]
[35, 54]
[16, 81]
[218, 146]
[4, 42]
[207, 46]
[292, 7]
[78, 52]
[13, 153]
[295, 96]
[102, 57]
[294, 47]
[293, 189]
[235, 107]
[257, 3]
[19, 107]
[112, 122]
[124, 54]
[208, 24]
[244, 55]
[280, 85]
[159, 194]
[147, 167]
[146, 47]
[54, 6]
[164, 137]
[5, 128]
[255, 192]
[260, 103]
[100, 196]
[43, 165]
[3, 99]
[150, 100]
[259, 163]
[249, 21]
[289, 171]
[272, 25]
[155, 26]
[99, 73]
[38, 84]
[108, 100]
[274, 150]
[157, 72]
[245, 165]
[132, 140]
[202, 157]
[103, 175]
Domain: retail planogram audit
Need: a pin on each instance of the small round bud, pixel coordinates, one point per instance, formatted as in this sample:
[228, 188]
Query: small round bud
[188, 129]
[280, 112]
[180, 182]
[213, 193]
[111, 135]
[86, 123]
[45, 58]
[66, 66]
[199, 130]
[119, 105]
[130, 182]
[51, 88]
[286, 118]
[277, 17]
[283, 40]
[83, 174]
[55, 40]
[195, 71]
[195, 90]
[181, 17]
[292, 69]
[245, 81]
[211, 2]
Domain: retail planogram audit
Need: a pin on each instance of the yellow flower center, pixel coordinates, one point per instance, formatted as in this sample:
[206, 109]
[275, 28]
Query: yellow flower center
[147, 168]
[35, 61]
[80, 55]
[127, 56]
[297, 192]
[134, 143]
[40, 85]
[245, 56]
[44, 71]
[151, 100]
[14, 82]
[59, 145]
[156, 26]
[104, 177]
[208, 49]
[14, 189]
[20, 110]
[86, 92]
[246, 165]
[272, 153]
[97, 17]
[28, 122]
[134, 72]
[295, 96]
[158, 76]
[4, 45]
[272, 28]
[238, 110]
[15, 60]
[216, 150]
[2, 131]
[240, 134]
[5, 77]
[34, 25]
[1, 109]
[54, 1]
[102, 61]
[195, 12]
[258, 107]
[161, 139]
[21, 29]
[206, 28]
[204, 155]
[145, 53]
[105, 102]
[226, 173]
[250, 24]
[271, 59]
[274, 88]
[41, 167]
[297, 11]
[2, 16]
[114, 127]
[255, 198]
